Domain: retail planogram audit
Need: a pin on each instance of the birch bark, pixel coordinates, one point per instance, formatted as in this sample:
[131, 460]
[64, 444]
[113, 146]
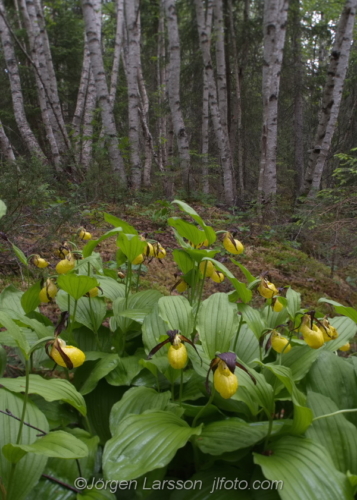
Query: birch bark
[5, 145]
[174, 91]
[87, 132]
[16, 91]
[92, 25]
[275, 17]
[225, 157]
[331, 97]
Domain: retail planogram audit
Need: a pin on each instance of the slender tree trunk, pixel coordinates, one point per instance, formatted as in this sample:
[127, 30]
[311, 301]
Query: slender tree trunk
[226, 160]
[26, 133]
[132, 69]
[174, 92]
[331, 99]
[5, 145]
[144, 115]
[87, 143]
[92, 25]
[117, 51]
[275, 16]
[298, 96]
[238, 103]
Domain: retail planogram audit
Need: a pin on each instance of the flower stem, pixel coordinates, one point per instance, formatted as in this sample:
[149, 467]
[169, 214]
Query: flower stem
[352, 410]
[204, 407]
[181, 385]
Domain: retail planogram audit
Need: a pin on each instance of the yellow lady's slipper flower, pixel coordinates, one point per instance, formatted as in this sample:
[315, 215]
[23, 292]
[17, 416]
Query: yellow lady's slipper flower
[224, 379]
[204, 243]
[83, 234]
[345, 347]
[231, 245]
[181, 286]
[177, 354]
[149, 250]
[93, 292]
[277, 305]
[138, 260]
[217, 276]
[279, 343]
[63, 250]
[207, 268]
[266, 289]
[328, 331]
[66, 265]
[48, 292]
[312, 336]
[158, 251]
[40, 262]
[64, 355]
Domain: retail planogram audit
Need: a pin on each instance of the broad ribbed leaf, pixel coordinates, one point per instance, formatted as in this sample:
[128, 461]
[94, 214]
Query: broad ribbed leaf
[183, 260]
[154, 328]
[135, 401]
[253, 319]
[76, 286]
[350, 312]
[305, 469]
[333, 377]
[2, 209]
[50, 390]
[57, 444]
[110, 287]
[131, 245]
[10, 302]
[217, 323]
[146, 299]
[101, 369]
[15, 332]
[294, 302]
[19, 254]
[299, 360]
[143, 443]
[115, 221]
[30, 299]
[126, 369]
[273, 319]
[210, 234]
[248, 276]
[335, 433]
[232, 434]
[3, 360]
[29, 469]
[176, 312]
[346, 328]
[187, 230]
[247, 346]
[90, 246]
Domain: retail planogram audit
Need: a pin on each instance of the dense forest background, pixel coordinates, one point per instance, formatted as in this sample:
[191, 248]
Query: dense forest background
[249, 104]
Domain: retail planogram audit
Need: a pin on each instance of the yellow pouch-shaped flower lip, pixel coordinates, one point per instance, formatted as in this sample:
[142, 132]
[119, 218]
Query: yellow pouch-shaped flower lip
[312, 336]
[279, 343]
[67, 356]
[232, 245]
[138, 260]
[48, 292]
[66, 265]
[177, 356]
[40, 262]
[217, 276]
[345, 347]
[266, 289]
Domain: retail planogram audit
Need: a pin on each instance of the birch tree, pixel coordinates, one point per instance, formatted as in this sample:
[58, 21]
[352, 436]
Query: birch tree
[92, 27]
[221, 138]
[5, 145]
[174, 91]
[274, 25]
[25, 130]
[331, 99]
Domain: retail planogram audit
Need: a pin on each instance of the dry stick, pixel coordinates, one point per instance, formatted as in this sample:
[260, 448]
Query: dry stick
[65, 485]
[9, 414]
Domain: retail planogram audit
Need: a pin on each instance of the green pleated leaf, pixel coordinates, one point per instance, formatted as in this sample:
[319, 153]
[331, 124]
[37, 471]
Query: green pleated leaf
[248, 276]
[346, 328]
[10, 302]
[153, 328]
[90, 311]
[110, 287]
[135, 401]
[183, 260]
[305, 469]
[100, 370]
[76, 286]
[126, 369]
[115, 221]
[247, 346]
[210, 234]
[300, 360]
[2, 209]
[20, 254]
[217, 323]
[99, 494]
[350, 312]
[131, 245]
[335, 433]
[335, 378]
[253, 319]
[30, 468]
[3, 360]
[187, 230]
[90, 246]
[143, 443]
[30, 299]
[232, 434]
[273, 319]
[294, 302]
[144, 300]
[176, 312]
[50, 390]
[15, 333]
[57, 444]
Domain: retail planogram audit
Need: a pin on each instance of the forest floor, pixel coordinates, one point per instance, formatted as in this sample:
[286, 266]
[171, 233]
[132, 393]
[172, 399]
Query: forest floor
[285, 264]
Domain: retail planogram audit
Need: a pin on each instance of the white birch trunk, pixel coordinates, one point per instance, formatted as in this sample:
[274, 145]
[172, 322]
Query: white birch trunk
[331, 97]
[5, 145]
[92, 24]
[225, 157]
[174, 91]
[26, 133]
[87, 131]
[275, 17]
[117, 51]
[132, 69]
